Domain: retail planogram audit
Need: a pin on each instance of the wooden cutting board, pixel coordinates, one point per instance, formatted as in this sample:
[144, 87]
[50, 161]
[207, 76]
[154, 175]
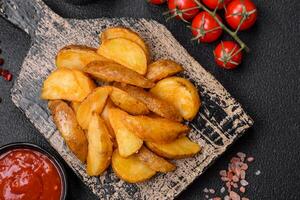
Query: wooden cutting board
[220, 122]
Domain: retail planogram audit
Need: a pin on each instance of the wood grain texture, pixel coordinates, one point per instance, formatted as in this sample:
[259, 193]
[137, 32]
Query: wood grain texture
[219, 123]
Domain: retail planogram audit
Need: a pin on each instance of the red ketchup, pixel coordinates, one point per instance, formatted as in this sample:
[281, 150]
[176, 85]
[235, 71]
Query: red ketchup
[27, 174]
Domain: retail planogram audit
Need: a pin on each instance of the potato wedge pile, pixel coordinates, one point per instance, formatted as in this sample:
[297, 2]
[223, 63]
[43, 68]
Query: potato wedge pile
[113, 106]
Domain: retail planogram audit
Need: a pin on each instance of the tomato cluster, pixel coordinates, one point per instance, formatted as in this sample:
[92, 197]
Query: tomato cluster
[207, 26]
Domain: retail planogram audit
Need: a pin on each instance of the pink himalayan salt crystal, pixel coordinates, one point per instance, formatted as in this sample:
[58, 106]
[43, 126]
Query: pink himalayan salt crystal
[235, 179]
[224, 179]
[217, 198]
[222, 190]
[235, 185]
[250, 159]
[228, 186]
[245, 198]
[244, 166]
[241, 155]
[234, 196]
[242, 189]
[223, 173]
[235, 160]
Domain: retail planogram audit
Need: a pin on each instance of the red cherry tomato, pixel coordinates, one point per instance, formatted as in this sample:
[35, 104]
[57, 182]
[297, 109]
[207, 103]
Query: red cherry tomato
[156, 2]
[228, 54]
[212, 4]
[242, 12]
[183, 9]
[205, 28]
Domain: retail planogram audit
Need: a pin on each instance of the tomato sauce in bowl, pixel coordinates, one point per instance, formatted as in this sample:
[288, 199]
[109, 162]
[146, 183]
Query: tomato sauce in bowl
[29, 173]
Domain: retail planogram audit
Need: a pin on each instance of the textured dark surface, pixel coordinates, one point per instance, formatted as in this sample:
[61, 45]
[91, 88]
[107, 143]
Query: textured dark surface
[267, 85]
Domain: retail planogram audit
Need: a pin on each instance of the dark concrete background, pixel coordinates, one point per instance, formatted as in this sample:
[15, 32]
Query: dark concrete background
[266, 84]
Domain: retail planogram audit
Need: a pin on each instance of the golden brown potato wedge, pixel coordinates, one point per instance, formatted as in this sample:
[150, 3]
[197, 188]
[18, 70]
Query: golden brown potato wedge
[75, 105]
[128, 103]
[109, 71]
[67, 84]
[126, 53]
[76, 56]
[94, 103]
[121, 32]
[128, 142]
[181, 148]
[159, 130]
[99, 147]
[181, 93]
[65, 120]
[161, 69]
[105, 116]
[154, 104]
[131, 169]
[155, 162]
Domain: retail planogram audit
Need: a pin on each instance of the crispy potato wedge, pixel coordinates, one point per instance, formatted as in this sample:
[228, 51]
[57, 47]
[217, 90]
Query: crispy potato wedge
[105, 116]
[67, 84]
[128, 142]
[154, 104]
[94, 103]
[181, 93]
[155, 162]
[128, 103]
[75, 105]
[109, 71]
[100, 146]
[131, 169]
[76, 56]
[121, 32]
[181, 148]
[126, 53]
[65, 120]
[161, 69]
[159, 130]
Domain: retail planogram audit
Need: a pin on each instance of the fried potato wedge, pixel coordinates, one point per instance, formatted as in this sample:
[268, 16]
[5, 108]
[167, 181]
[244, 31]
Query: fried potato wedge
[94, 103]
[128, 103]
[128, 142]
[161, 69]
[105, 116]
[181, 148]
[121, 32]
[75, 105]
[155, 162]
[65, 120]
[181, 93]
[109, 71]
[76, 56]
[100, 146]
[159, 130]
[131, 169]
[154, 104]
[67, 84]
[126, 53]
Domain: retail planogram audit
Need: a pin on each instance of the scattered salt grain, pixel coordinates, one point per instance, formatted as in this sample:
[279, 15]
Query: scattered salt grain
[212, 191]
[244, 183]
[257, 172]
[241, 155]
[205, 190]
[223, 173]
[222, 190]
[224, 179]
[250, 159]
[243, 174]
[235, 185]
[206, 196]
[244, 166]
[226, 197]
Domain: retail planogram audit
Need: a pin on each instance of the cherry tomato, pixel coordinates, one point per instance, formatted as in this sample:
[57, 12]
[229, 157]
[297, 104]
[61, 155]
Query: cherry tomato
[183, 9]
[228, 54]
[212, 4]
[156, 2]
[242, 12]
[205, 28]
